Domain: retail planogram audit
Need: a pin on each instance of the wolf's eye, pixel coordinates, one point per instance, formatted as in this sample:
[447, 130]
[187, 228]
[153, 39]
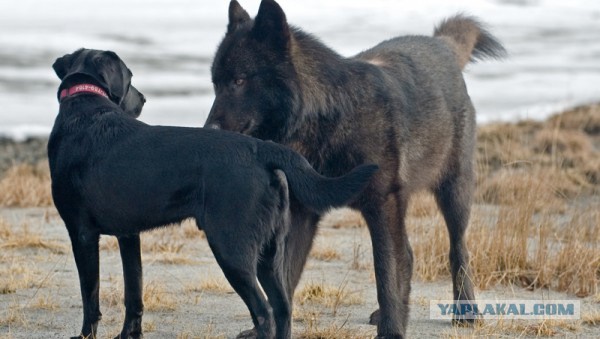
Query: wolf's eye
[240, 82]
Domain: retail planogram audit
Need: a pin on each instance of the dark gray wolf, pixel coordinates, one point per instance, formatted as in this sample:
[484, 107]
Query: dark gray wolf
[402, 104]
[113, 174]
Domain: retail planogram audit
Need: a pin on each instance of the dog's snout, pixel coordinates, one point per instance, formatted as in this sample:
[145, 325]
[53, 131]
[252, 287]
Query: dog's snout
[142, 98]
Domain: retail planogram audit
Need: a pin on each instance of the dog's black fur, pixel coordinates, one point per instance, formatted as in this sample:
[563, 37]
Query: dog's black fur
[402, 104]
[112, 174]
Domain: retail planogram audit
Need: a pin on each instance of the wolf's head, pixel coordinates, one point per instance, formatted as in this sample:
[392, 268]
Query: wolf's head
[253, 74]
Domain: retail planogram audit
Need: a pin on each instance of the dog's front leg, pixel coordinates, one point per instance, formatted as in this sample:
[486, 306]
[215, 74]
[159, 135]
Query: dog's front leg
[132, 272]
[85, 251]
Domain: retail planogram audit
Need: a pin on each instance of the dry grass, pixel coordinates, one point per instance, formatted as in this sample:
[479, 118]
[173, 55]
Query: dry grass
[207, 332]
[332, 331]
[157, 298]
[26, 186]
[155, 295]
[542, 232]
[165, 245]
[23, 238]
[45, 302]
[16, 275]
[344, 218]
[519, 328]
[359, 262]
[517, 245]
[16, 271]
[212, 284]
[591, 318]
[13, 316]
[327, 295]
[325, 253]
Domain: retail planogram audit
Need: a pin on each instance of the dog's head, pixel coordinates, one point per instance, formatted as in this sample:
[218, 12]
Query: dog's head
[104, 69]
[253, 74]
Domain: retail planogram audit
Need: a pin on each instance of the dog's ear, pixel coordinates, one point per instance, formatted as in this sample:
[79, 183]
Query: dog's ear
[115, 75]
[271, 25]
[237, 16]
[61, 65]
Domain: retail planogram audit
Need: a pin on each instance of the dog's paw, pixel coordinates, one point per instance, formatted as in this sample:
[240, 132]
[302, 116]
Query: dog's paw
[248, 334]
[374, 318]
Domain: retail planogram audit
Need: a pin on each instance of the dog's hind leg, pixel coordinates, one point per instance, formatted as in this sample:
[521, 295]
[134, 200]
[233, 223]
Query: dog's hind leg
[270, 275]
[129, 246]
[303, 228]
[270, 268]
[86, 253]
[239, 266]
[453, 196]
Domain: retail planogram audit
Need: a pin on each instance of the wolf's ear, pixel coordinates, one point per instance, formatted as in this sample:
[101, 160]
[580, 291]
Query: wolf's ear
[237, 16]
[271, 25]
[115, 75]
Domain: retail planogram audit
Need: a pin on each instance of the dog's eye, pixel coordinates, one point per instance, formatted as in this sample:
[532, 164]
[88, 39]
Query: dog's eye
[240, 82]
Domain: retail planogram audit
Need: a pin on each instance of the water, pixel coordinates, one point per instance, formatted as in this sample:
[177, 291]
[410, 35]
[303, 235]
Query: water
[554, 48]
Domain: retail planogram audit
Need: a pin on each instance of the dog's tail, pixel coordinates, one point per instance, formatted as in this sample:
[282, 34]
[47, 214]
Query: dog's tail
[314, 191]
[469, 39]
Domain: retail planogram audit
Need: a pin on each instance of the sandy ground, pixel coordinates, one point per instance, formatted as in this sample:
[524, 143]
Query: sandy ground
[45, 301]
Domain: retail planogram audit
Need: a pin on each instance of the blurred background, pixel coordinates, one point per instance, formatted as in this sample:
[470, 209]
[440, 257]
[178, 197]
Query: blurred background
[554, 48]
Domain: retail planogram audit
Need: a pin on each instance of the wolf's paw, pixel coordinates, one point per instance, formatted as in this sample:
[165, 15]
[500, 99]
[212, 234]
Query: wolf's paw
[248, 334]
[374, 318]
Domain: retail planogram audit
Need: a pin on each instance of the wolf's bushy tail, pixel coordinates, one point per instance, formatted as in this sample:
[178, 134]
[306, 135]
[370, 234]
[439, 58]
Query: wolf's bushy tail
[314, 191]
[469, 39]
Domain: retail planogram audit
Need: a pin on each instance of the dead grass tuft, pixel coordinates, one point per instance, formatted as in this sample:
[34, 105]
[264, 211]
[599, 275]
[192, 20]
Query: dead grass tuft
[343, 218]
[26, 186]
[422, 205]
[113, 294]
[45, 302]
[333, 331]
[325, 253]
[543, 188]
[519, 328]
[17, 275]
[24, 238]
[326, 295]
[156, 298]
[5, 230]
[591, 318]
[207, 332]
[109, 244]
[583, 118]
[12, 316]
[214, 284]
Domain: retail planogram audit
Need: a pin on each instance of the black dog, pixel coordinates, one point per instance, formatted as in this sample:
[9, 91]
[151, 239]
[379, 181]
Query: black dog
[112, 174]
[402, 104]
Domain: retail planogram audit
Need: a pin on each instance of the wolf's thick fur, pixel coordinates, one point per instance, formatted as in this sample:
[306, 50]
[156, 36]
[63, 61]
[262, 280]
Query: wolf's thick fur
[112, 174]
[402, 104]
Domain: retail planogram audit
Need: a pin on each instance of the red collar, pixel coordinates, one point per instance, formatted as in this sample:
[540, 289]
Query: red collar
[87, 88]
